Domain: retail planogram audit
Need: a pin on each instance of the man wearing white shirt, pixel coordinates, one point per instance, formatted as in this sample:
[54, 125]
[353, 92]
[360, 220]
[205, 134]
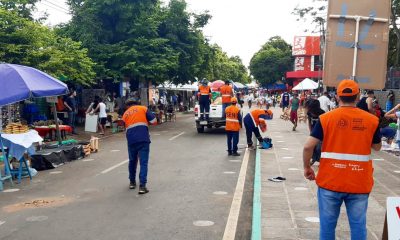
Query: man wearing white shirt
[325, 102]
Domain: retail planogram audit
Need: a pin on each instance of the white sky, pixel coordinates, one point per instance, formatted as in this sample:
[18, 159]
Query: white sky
[240, 27]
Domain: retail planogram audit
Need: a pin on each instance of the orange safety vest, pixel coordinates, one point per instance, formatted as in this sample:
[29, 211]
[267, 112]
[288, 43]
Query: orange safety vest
[204, 91]
[255, 115]
[226, 92]
[346, 164]
[135, 116]
[232, 119]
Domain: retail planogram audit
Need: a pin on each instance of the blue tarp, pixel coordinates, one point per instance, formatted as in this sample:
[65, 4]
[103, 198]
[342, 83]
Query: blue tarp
[276, 86]
[21, 82]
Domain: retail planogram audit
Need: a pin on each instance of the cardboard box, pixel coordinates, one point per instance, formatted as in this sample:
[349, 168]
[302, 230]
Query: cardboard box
[373, 46]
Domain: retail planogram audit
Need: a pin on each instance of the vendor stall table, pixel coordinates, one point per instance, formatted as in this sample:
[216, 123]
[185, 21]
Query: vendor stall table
[49, 130]
[18, 145]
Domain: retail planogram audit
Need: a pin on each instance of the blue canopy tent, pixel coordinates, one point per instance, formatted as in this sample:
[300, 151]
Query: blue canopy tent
[275, 87]
[19, 83]
[238, 86]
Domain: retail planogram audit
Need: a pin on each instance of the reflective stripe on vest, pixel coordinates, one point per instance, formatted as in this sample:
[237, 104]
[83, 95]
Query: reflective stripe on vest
[348, 157]
[232, 120]
[137, 124]
[226, 95]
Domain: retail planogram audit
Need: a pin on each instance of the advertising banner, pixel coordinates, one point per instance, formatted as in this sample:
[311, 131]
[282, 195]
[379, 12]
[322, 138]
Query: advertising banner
[306, 46]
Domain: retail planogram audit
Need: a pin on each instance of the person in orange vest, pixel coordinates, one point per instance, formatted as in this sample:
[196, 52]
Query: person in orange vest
[233, 126]
[227, 94]
[345, 172]
[254, 119]
[204, 96]
[137, 119]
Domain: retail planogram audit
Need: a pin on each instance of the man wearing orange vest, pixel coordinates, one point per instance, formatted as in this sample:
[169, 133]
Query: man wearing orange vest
[232, 128]
[254, 119]
[227, 94]
[204, 96]
[345, 172]
[137, 119]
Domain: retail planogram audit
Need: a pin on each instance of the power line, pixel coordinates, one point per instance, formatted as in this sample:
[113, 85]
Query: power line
[56, 5]
[57, 9]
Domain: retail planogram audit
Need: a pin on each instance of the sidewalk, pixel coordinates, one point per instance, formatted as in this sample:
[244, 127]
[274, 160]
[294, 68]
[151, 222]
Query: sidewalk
[290, 208]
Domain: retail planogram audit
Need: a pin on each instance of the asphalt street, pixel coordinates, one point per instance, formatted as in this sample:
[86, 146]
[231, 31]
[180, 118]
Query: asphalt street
[191, 181]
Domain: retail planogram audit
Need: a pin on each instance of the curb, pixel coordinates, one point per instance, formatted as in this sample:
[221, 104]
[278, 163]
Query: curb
[256, 222]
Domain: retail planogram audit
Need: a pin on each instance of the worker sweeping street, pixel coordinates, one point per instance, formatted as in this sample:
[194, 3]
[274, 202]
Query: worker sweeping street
[227, 94]
[233, 125]
[253, 120]
[204, 96]
[137, 118]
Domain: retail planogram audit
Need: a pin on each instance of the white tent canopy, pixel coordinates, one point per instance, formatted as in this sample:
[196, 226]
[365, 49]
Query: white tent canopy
[180, 87]
[306, 84]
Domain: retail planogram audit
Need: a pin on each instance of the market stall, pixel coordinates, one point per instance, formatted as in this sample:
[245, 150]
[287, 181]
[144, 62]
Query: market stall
[19, 83]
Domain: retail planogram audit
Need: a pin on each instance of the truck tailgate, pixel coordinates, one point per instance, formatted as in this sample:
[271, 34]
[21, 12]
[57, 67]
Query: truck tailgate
[215, 111]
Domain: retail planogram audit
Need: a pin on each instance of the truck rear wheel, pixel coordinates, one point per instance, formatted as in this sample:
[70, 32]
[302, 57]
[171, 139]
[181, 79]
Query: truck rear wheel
[200, 129]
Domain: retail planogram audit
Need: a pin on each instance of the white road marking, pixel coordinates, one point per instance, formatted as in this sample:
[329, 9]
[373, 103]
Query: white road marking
[397, 171]
[231, 225]
[220, 193]
[229, 172]
[11, 190]
[156, 134]
[378, 159]
[285, 148]
[88, 160]
[293, 169]
[203, 223]
[55, 172]
[280, 141]
[279, 136]
[115, 150]
[175, 137]
[114, 167]
[300, 189]
[37, 218]
[234, 161]
[2, 222]
[288, 157]
[312, 219]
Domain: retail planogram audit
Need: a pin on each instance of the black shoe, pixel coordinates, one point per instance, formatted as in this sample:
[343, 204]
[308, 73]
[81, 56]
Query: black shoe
[236, 154]
[143, 190]
[229, 153]
[132, 185]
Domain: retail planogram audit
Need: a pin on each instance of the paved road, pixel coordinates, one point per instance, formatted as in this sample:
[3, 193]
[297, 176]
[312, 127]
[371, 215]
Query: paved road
[91, 199]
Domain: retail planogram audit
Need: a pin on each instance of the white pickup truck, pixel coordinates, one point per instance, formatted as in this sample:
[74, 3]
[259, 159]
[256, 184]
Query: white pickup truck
[215, 120]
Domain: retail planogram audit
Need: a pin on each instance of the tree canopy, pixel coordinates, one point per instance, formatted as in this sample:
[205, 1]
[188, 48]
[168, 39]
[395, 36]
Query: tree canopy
[23, 41]
[272, 61]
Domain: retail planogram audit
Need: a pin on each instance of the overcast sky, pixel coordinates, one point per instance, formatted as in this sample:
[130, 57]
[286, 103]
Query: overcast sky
[240, 27]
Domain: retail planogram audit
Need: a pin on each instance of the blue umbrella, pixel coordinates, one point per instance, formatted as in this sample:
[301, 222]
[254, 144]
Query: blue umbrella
[21, 82]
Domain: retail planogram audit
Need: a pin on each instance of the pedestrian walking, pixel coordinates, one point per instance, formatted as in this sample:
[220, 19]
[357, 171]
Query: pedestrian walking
[204, 100]
[71, 106]
[227, 94]
[285, 99]
[254, 119]
[325, 102]
[233, 126]
[345, 172]
[314, 110]
[395, 115]
[294, 107]
[137, 119]
[101, 109]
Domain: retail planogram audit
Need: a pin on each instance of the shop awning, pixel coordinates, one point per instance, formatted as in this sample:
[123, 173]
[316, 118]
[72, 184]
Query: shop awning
[304, 74]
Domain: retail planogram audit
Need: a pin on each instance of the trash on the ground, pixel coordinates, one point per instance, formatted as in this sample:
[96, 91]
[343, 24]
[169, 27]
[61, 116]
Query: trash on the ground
[277, 179]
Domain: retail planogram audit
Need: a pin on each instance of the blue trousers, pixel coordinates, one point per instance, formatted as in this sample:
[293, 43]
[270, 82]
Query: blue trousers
[232, 140]
[71, 120]
[250, 129]
[139, 152]
[224, 106]
[329, 204]
[204, 109]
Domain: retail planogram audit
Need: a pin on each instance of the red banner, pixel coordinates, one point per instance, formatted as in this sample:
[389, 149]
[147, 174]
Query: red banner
[306, 46]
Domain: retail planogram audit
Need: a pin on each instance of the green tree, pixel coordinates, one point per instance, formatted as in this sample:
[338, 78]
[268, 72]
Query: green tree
[23, 41]
[272, 61]
[23, 8]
